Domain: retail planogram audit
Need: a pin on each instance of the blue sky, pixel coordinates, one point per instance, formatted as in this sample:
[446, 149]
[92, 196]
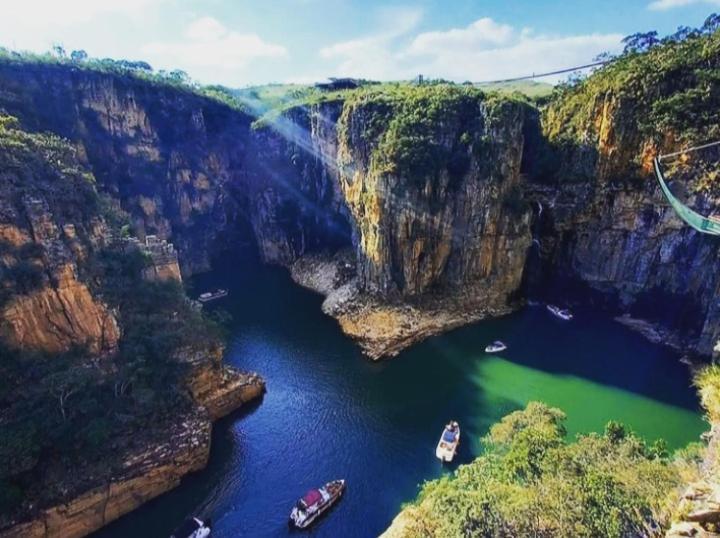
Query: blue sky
[242, 42]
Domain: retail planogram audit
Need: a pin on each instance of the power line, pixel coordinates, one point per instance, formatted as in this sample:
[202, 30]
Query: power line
[688, 150]
[540, 75]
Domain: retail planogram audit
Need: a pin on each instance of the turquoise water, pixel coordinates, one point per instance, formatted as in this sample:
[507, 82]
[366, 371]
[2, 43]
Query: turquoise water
[329, 413]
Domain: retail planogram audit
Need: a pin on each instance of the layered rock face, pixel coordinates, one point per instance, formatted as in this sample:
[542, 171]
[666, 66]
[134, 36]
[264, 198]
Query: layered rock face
[60, 316]
[604, 225]
[165, 153]
[44, 240]
[449, 223]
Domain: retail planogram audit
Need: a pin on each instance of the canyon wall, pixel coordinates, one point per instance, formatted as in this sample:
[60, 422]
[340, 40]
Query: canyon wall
[95, 417]
[607, 236]
[148, 468]
[440, 208]
[291, 184]
[165, 153]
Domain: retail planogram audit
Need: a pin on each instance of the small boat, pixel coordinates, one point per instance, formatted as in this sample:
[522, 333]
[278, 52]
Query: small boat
[315, 502]
[560, 312]
[496, 347]
[193, 528]
[212, 295]
[449, 441]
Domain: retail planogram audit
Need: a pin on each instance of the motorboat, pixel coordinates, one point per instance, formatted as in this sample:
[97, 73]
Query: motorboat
[561, 313]
[315, 502]
[496, 347]
[212, 295]
[193, 528]
[449, 441]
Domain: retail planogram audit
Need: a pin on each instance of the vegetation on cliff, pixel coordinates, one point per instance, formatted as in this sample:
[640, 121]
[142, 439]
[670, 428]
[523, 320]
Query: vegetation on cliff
[37, 166]
[406, 128]
[660, 92]
[531, 482]
[60, 413]
[136, 70]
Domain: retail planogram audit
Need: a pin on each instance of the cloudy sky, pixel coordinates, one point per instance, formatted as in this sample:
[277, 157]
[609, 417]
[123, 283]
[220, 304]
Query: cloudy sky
[242, 42]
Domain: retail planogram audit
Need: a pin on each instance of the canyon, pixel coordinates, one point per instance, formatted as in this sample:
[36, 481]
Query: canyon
[413, 211]
[470, 234]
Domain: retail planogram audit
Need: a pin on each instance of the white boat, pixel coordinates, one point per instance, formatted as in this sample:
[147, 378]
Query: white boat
[496, 347]
[560, 312]
[212, 295]
[193, 528]
[315, 502]
[449, 441]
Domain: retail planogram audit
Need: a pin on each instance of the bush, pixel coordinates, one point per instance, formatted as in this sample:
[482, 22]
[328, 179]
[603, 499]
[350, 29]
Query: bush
[531, 482]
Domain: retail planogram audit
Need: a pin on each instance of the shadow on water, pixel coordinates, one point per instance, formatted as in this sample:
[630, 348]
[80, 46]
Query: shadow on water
[329, 413]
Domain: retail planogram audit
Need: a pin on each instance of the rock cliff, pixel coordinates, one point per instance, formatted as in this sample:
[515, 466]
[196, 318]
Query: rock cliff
[456, 205]
[95, 418]
[164, 153]
[144, 470]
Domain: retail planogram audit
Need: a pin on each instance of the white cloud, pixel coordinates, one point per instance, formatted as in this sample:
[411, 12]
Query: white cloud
[484, 50]
[663, 5]
[483, 33]
[371, 56]
[212, 52]
[35, 24]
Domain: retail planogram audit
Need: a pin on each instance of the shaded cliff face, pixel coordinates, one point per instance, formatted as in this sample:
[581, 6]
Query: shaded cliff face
[605, 226]
[291, 185]
[431, 180]
[166, 154]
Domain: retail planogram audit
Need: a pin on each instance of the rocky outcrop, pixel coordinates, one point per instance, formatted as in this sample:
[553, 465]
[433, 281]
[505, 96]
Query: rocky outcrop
[432, 250]
[222, 389]
[151, 466]
[59, 316]
[146, 472]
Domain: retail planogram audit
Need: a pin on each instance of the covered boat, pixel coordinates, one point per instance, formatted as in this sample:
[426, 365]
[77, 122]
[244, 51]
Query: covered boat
[560, 312]
[496, 347]
[193, 528]
[316, 502]
[449, 441]
[212, 295]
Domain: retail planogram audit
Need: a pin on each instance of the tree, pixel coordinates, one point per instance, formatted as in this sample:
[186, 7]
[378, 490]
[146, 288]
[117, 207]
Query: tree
[640, 42]
[711, 25]
[59, 51]
[180, 76]
[78, 56]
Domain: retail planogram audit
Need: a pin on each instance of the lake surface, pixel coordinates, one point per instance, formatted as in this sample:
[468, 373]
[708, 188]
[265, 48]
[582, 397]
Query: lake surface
[329, 413]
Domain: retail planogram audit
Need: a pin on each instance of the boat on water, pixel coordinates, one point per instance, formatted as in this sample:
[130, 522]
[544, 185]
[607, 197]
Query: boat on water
[496, 347]
[449, 441]
[193, 528]
[315, 503]
[560, 312]
[212, 295]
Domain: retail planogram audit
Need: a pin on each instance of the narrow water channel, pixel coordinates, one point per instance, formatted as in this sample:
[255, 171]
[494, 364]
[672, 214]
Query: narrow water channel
[329, 413]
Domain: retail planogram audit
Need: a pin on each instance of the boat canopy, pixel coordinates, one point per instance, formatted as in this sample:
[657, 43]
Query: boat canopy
[311, 497]
[449, 436]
